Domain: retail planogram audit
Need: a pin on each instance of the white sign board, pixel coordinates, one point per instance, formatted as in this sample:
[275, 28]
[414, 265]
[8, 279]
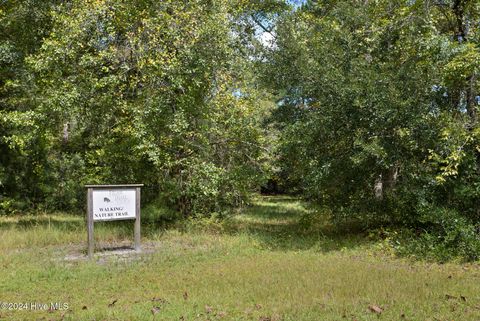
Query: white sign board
[113, 204]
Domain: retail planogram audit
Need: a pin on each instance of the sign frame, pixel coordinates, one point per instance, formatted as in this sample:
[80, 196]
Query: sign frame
[90, 220]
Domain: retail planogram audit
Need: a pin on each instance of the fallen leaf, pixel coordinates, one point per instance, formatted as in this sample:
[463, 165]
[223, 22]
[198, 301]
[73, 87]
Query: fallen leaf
[155, 310]
[448, 296]
[375, 308]
[258, 306]
[62, 316]
[161, 300]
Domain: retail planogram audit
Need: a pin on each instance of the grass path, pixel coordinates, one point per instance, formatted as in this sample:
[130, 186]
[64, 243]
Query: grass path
[260, 265]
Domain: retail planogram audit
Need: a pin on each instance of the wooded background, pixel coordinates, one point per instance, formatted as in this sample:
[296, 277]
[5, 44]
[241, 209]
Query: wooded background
[367, 108]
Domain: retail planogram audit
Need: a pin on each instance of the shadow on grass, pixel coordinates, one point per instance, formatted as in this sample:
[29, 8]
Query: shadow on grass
[274, 222]
[75, 223]
[65, 223]
[277, 223]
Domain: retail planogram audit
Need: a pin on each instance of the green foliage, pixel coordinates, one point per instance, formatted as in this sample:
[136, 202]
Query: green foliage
[157, 212]
[378, 114]
[128, 91]
[375, 108]
[22, 142]
[449, 234]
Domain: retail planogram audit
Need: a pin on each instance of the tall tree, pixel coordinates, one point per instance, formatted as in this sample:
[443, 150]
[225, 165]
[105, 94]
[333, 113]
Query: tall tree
[153, 92]
[377, 106]
[23, 25]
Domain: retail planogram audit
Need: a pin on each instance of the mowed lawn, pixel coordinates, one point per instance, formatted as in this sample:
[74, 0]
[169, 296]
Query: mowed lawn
[262, 264]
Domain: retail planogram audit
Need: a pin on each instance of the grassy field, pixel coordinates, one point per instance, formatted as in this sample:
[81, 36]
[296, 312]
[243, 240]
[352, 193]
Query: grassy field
[260, 265]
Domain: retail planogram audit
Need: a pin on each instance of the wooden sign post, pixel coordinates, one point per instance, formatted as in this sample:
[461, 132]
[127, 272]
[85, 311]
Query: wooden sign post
[111, 203]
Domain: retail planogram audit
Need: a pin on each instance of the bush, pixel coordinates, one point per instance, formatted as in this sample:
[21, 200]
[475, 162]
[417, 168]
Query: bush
[8, 206]
[444, 234]
[157, 211]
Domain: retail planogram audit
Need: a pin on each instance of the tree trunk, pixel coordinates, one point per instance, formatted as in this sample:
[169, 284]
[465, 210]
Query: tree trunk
[378, 187]
[385, 182]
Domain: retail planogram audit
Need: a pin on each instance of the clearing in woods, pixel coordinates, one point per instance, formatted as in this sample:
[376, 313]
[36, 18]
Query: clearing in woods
[262, 264]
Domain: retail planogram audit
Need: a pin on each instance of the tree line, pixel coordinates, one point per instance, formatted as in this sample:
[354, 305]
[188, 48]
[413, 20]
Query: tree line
[369, 109]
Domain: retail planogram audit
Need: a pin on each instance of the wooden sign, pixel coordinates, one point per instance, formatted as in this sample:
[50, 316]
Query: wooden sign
[110, 203]
[114, 204]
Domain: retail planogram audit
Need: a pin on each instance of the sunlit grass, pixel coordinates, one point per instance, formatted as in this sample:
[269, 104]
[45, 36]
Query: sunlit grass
[261, 264]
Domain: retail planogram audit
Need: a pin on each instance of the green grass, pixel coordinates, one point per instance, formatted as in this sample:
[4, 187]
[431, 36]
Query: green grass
[262, 264]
